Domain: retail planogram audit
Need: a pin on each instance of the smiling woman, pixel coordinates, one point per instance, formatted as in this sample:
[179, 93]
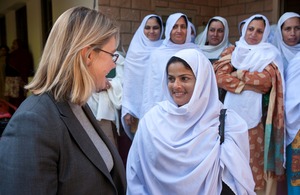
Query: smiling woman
[179, 31]
[153, 28]
[177, 141]
[181, 80]
[100, 62]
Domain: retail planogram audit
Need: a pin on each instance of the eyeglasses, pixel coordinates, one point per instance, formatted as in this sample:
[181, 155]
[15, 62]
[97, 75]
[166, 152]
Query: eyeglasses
[114, 56]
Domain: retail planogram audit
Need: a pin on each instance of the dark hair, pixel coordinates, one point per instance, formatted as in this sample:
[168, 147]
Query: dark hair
[157, 20]
[174, 59]
[259, 18]
[185, 19]
[214, 20]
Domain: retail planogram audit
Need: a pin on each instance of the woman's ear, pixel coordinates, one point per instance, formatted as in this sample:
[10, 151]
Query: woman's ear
[87, 58]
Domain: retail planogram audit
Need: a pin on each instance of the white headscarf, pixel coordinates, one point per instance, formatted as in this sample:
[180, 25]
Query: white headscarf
[211, 51]
[287, 51]
[273, 28]
[248, 104]
[135, 69]
[158, 60]
[171, 21]
[177, 150]
[193, 34]
[292, 98]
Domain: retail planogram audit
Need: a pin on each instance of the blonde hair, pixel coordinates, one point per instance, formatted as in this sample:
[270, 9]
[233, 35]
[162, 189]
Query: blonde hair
[62, 70]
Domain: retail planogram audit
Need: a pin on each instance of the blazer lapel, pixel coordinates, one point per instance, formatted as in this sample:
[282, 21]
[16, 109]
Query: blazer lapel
[82, 139]
[95, 124]
[119, 174]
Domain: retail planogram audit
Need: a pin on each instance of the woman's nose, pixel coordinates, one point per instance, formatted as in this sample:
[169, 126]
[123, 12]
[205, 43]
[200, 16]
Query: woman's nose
[253, 33]
[179, 29]
[293, 31]
[177, 83]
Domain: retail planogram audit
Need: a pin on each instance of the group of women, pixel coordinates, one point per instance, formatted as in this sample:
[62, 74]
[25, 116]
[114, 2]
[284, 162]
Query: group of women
[253, 74]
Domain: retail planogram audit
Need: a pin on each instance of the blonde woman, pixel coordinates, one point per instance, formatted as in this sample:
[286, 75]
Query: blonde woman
[53, 144]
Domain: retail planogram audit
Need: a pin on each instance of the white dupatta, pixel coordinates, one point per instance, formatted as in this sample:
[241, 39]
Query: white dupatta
[292, 98]
[177, 150]
[135, 67]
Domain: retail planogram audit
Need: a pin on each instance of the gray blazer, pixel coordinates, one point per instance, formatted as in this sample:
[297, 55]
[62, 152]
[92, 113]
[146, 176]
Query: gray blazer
[45, 150]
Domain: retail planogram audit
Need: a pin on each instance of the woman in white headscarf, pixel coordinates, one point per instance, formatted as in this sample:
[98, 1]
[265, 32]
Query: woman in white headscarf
[252, 75]
[177, 37]
[287, 36]
[292, 116]
[147, 37]
[214, 39]
[177, 149]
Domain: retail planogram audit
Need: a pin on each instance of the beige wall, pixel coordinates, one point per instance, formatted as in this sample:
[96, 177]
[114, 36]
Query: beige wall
[131, 12]
[237, 10]
[59, 6]
[34, 29]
